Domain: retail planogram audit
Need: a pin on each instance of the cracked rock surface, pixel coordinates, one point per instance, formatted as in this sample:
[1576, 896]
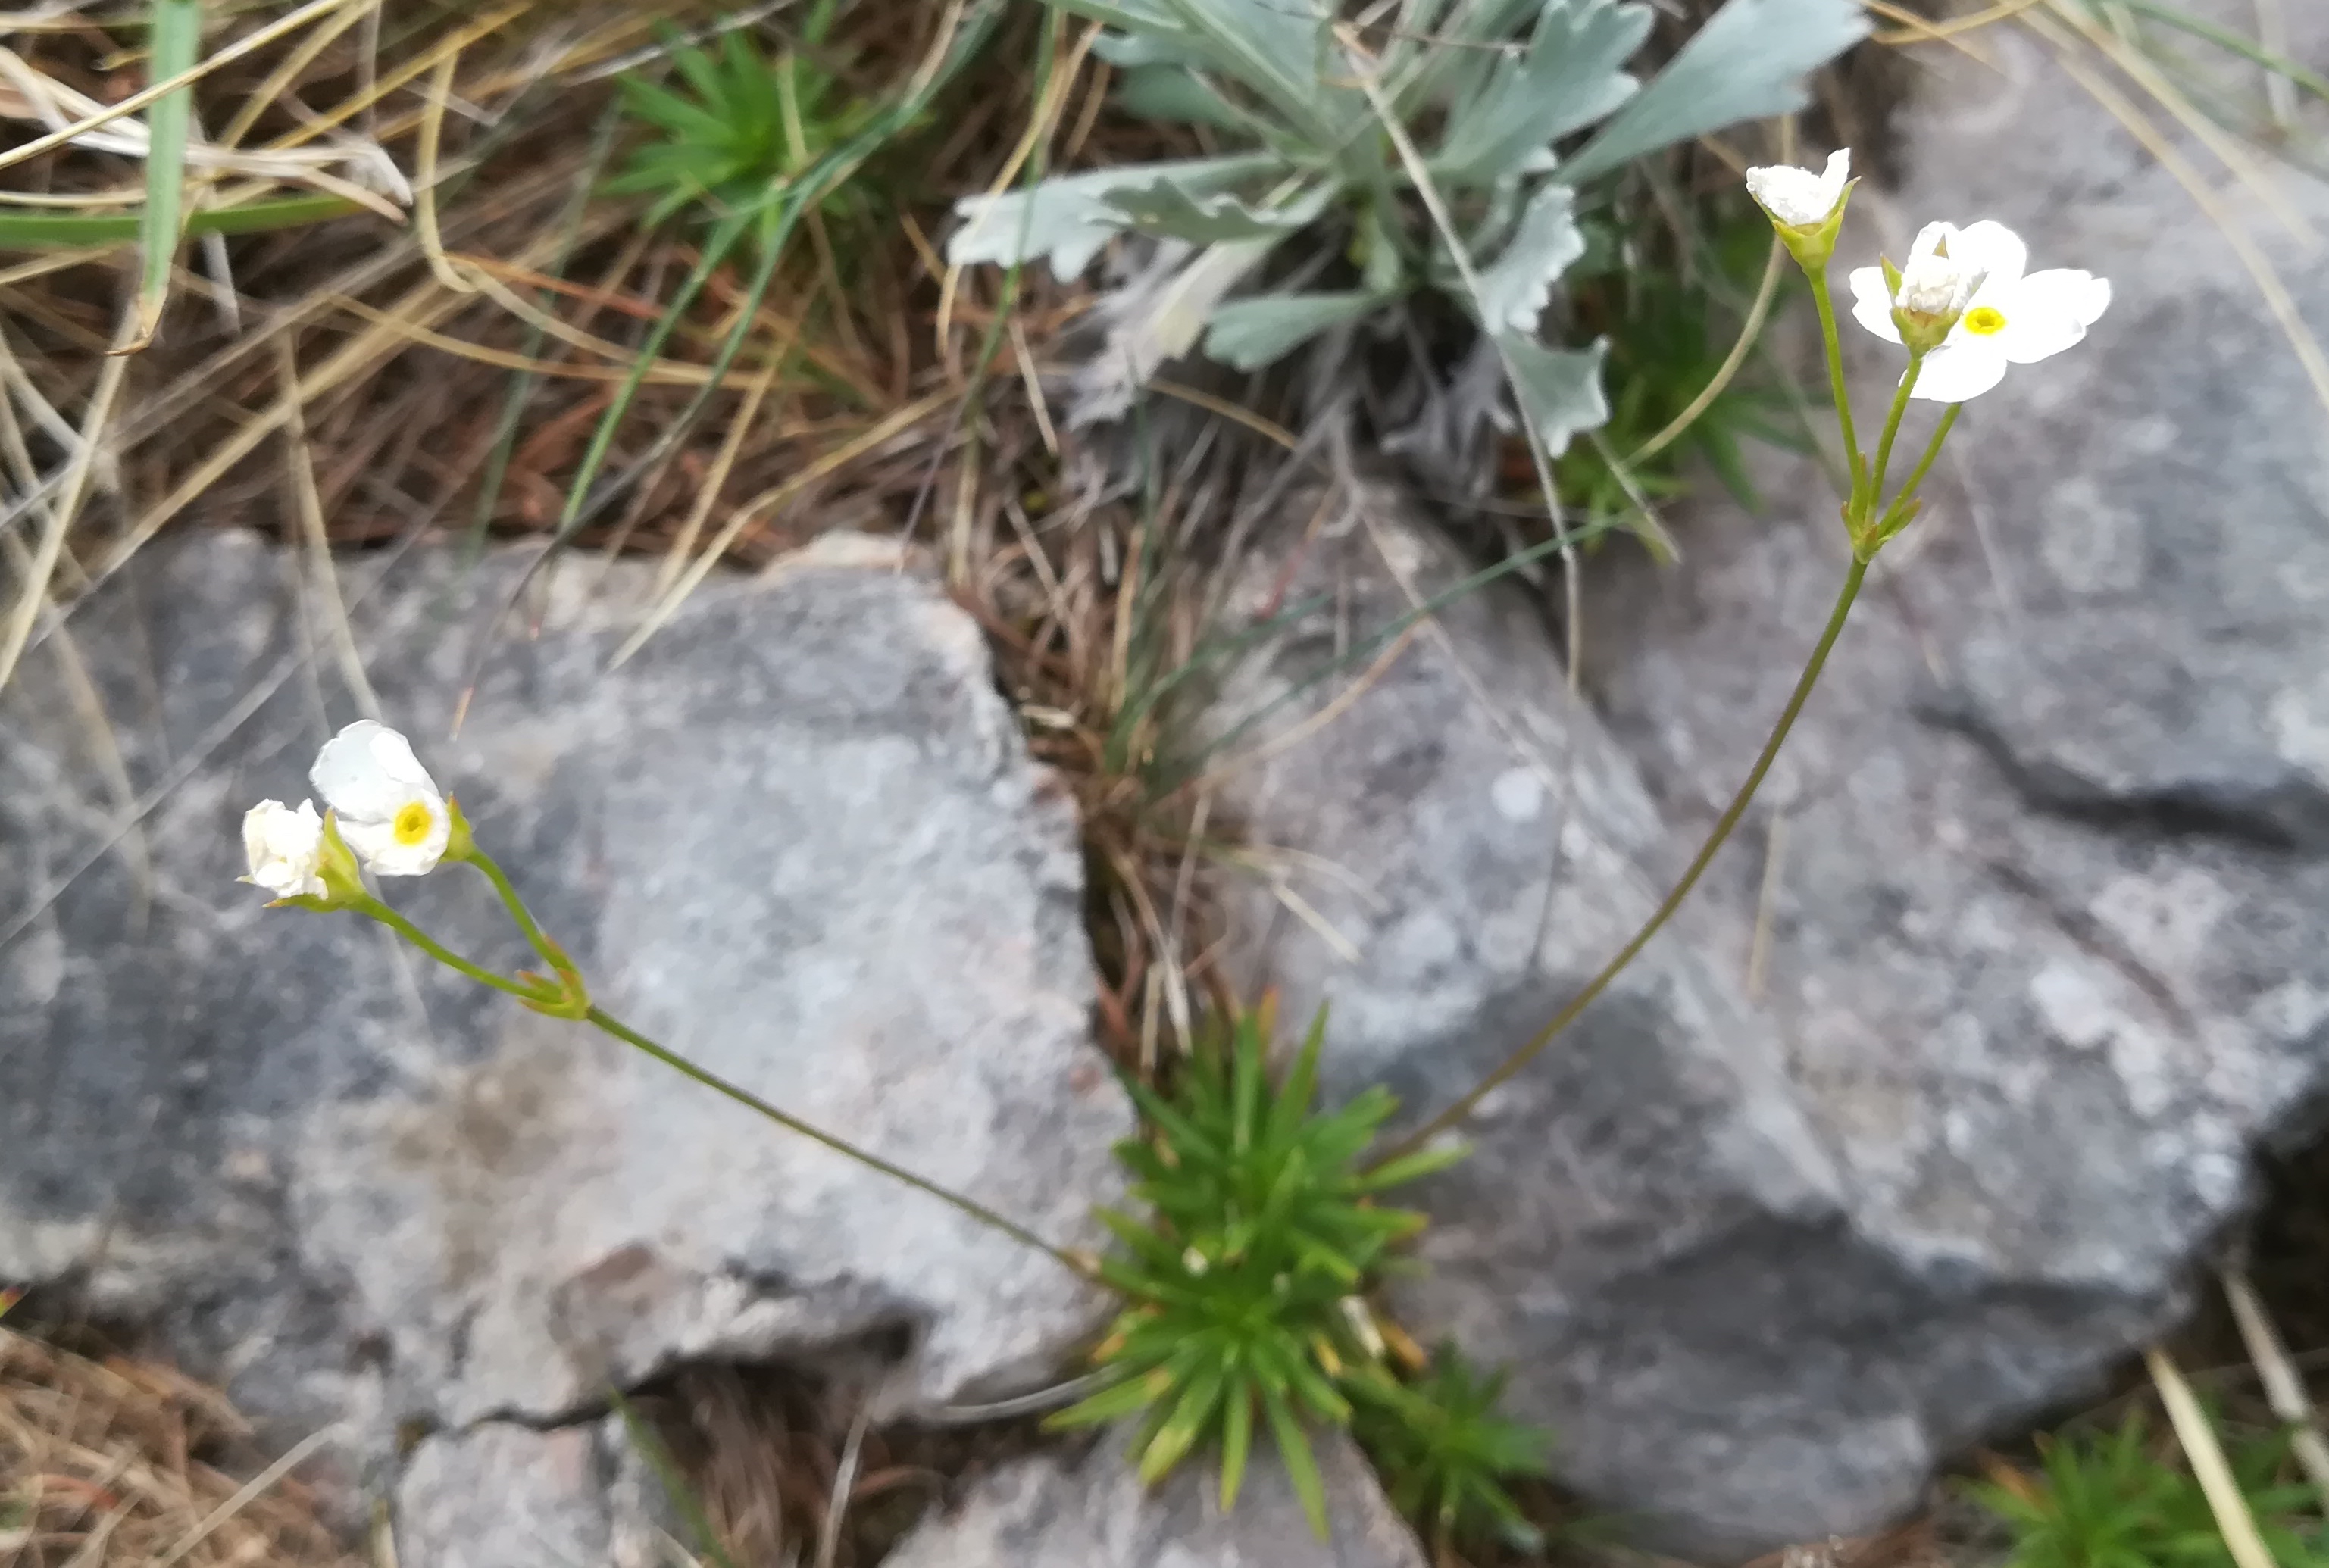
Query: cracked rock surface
[1050, 1511]
[797, 838]
[1783, 1224]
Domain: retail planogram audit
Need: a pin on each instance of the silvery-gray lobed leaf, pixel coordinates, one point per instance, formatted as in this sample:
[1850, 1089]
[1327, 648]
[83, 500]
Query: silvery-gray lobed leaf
[1570, 76]
[1747, 63]
[1068, 219]
[1249, 334]
[1517, 286]
[1559, 389]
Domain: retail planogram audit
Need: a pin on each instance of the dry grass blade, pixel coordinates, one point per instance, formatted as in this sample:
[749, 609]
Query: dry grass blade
[33, 592]
[117, 1458]
[2205, 1455]
[2066, 45]
[248, 44]
[1428, 189]
[2226, 148]
[324, 581]
[1748, 331]
[2284, 1386]
[768, 501]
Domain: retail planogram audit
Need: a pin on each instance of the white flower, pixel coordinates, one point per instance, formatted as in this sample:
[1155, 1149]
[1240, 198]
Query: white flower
[284, 848]
[2009, 318]
[1798, 197]
[389, 810]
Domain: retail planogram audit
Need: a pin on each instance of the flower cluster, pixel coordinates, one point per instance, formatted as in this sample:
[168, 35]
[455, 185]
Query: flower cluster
[1964, 304]
[382, 806]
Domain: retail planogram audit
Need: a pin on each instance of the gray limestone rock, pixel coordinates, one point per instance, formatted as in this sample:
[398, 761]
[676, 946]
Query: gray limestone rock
[498, 1496]
[1949, 1076]
[797, 838]
[1047, 1511]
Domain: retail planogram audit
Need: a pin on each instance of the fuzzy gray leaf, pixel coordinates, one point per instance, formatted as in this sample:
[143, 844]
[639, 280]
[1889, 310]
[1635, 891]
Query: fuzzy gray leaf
[1516, 287]
[1156, 316]
[1249, 334]
[1138, 18]
[1068, 219]
[1559, 389]
[1169, 212]
[1570, 76]
[1275, 47]
[1748, 62]
[1132, 50]
[1170, 92]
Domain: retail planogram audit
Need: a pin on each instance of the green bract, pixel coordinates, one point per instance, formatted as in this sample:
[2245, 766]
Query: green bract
[1482, 110]
[1244, 1280]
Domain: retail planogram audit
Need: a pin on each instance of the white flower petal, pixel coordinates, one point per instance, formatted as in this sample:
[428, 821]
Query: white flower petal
[1871, 303]
[1932, 240]
[1957, 371]
[2080, 295]
[2044, 314]
[384, 853]
[1991, 250]
[284, 848]
[367, 772]
[1798, 197]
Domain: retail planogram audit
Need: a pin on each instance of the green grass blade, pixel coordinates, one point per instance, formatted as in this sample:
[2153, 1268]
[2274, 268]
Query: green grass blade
[177, 26]
[22, 230]
[1236, 1439]
[2223, 37]
[1185, 1426]
[1301, 1464]
[706, 1542]
[803, 194]
[1109, 1404]
[523, 382]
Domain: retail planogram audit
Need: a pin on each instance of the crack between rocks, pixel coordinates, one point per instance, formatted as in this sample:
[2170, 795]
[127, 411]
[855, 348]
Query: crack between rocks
[2259, 819]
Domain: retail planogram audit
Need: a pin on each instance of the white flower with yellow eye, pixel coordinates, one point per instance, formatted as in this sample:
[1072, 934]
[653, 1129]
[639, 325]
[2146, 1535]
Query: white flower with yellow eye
[284, 848]
[1798, 197]
[389, 809]
[2005, 316]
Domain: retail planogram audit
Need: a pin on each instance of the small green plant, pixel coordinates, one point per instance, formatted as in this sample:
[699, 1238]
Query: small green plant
[1422, 155]
[1659, 314]
[752, 126]
[2119, 1499]
[1445, 1453]
[1244, 1282]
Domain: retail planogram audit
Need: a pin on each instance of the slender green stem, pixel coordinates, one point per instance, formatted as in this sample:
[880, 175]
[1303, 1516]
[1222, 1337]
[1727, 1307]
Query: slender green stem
[374, 909]
[1674, 900]
[1891, 432]
[551, 954]
[977, 1211]
[1917, 475]
[1835, 349]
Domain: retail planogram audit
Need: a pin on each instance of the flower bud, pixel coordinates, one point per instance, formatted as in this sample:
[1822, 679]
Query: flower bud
[1807, 210]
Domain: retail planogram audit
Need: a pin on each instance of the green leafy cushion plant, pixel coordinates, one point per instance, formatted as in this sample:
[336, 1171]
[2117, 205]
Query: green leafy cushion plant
[2110, 1499]
[1243, 1280]
[1336, 131]
[1445, 1453]
[746, 126]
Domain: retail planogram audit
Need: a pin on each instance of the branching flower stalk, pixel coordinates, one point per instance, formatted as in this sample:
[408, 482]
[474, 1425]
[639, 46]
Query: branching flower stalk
[1965, 310]
[386, 815]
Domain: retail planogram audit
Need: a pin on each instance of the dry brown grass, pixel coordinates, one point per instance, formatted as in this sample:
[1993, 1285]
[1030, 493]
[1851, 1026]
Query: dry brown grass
[118, 1462]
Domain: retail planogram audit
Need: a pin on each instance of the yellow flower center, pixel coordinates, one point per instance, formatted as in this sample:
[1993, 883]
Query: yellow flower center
[1985, 319]
[412, 823]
